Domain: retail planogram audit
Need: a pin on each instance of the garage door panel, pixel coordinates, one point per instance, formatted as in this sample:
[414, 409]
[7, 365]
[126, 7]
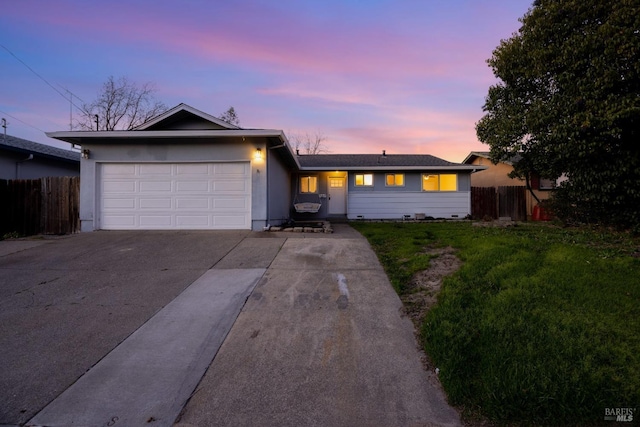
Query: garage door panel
[119, 203]
[231, 169]
[200, 203]
[155, 169]
[120, 169]
[193, 221]
[175, 196]
[160, 203]
[230, 185]
[192, 186]
[155, 186]
[119, 221]
[230, 203]
[193, 169]
[118, 187]
[155, 220]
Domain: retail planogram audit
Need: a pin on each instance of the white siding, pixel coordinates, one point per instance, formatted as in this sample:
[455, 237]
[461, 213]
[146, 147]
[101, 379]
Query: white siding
[175, 196]
[392, 205]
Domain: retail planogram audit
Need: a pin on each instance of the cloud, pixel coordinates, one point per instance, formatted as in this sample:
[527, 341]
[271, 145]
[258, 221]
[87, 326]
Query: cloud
[400, 75]
[418, 131]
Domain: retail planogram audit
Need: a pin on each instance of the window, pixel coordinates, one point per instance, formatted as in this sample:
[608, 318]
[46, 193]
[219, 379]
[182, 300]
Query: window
[440, 182]
[547, 184]
[308, 184]
[336, 182]
[395, 180]
[364, 179]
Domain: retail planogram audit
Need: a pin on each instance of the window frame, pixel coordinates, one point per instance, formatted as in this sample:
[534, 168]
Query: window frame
[394, 184]
[439, 189]
[308, 177]
[364, 180]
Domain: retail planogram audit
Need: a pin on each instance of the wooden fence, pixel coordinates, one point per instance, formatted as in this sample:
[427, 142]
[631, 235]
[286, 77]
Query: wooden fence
[492, 202]
[40, 206]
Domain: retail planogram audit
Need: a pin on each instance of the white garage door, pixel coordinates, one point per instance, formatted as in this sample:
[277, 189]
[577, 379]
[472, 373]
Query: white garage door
[167, 196]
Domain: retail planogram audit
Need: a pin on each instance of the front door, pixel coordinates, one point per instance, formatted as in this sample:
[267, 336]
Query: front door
[337, 197]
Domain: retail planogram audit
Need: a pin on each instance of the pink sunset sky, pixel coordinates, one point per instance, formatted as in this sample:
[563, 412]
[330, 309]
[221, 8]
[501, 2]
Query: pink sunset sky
[406, 76]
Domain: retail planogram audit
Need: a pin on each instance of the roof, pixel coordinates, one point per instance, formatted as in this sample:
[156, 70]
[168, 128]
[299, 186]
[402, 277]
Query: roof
[182, 123]
[25, 146]
[179, 113]
[487, 155]
[376, 161]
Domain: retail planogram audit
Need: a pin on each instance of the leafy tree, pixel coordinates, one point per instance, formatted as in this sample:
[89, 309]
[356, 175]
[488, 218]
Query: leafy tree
[568, 101]
[230, 117]
[121, 105]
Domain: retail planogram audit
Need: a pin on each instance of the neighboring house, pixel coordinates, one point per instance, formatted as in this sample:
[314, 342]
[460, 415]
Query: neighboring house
[497, 175]
[23, 159]
[186, 169]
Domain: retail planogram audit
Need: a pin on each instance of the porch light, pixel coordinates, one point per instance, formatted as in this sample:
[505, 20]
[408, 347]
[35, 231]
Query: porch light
[257, 155]
[85, 153]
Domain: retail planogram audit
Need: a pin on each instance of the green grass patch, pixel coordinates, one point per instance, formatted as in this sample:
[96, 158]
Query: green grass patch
[541, 325]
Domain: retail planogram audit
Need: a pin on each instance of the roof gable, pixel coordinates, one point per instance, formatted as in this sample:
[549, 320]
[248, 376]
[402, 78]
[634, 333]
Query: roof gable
[185, 117]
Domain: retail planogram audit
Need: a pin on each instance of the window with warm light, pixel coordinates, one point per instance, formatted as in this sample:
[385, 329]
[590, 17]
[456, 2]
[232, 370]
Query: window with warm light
[364, 179]
[440, 182]
[336, 183]
[394, 180]
[308, 184]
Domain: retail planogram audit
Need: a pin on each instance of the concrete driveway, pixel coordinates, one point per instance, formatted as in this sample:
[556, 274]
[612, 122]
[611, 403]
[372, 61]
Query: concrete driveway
[246, 328]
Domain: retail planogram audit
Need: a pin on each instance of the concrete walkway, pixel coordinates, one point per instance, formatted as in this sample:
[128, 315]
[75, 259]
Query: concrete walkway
[303, 329]
[320, 342]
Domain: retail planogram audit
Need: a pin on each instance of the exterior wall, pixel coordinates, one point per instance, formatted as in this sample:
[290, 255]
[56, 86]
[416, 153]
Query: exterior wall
[14, 166]
[315, 198]
[170, 152]
[387, 205]
[497, 176]
[279, 196]
[382, 202]
[413, 181]
[494, 175]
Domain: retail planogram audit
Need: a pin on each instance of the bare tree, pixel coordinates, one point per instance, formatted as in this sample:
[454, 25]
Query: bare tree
[121, 105]
[230, 117]
[309, 144]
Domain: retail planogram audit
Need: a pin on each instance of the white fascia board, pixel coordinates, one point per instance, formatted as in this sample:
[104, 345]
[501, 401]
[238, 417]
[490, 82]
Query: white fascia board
[394, 168]
[77, 136]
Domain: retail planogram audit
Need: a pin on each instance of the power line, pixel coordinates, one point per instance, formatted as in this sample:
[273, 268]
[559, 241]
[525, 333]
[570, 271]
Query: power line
[70, 99]
[25, 123]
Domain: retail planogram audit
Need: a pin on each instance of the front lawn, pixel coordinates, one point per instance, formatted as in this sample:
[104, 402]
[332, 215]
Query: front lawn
[540, 325]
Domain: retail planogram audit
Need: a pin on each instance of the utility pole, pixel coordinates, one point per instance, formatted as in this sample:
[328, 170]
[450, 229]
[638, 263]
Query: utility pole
[70, 109]
[4, 125]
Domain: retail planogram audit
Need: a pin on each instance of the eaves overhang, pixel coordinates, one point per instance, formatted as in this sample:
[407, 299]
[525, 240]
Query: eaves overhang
[276, 139]
[471, 168]
[77, 137]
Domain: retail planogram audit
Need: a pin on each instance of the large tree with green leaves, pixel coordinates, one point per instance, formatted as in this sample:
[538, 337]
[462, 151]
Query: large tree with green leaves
[568, 101]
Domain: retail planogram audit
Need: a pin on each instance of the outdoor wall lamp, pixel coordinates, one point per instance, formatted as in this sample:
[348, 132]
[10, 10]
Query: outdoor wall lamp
[257, 155]
[85, 153]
